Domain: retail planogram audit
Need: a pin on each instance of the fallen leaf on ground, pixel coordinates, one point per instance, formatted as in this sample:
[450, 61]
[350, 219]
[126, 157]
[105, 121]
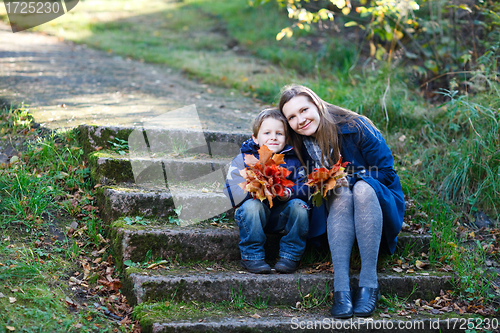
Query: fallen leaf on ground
[70, 302]
[420, 265]
[86, 270]
[446, 268]
[114, 285]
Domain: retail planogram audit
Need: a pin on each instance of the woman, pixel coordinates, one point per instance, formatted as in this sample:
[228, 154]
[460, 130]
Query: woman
[370, 209]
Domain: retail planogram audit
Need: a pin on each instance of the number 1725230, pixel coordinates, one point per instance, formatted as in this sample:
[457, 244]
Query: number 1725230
[32, 7]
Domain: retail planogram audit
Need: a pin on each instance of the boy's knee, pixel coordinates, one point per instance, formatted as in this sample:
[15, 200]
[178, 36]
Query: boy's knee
[300, 208]
[253, 204]
[251, 207]
[299, 204]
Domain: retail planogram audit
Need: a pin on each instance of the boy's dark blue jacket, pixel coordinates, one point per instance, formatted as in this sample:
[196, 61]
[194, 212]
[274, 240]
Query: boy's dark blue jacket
[237, 195]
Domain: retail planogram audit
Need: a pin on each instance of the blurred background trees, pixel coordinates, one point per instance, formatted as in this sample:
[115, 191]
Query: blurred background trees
[450, 44]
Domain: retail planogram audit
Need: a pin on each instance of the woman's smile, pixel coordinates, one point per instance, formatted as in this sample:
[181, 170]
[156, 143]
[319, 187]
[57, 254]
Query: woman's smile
[305, 126]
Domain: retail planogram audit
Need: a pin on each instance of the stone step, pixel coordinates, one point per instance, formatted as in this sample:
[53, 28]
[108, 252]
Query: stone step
[198, 204]
[161, 140]
[203, 285]
[197, 243]
[300, 321]
[195, 201]
[111, 167]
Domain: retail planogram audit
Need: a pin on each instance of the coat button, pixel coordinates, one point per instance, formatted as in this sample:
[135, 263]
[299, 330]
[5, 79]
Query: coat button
[362, 171]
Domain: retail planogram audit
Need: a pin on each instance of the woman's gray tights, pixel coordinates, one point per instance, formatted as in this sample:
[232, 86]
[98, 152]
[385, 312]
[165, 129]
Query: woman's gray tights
[355, 214]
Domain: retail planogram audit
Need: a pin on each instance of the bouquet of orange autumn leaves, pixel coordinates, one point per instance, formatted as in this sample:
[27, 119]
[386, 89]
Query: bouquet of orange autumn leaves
[323, 180]
[265, 179]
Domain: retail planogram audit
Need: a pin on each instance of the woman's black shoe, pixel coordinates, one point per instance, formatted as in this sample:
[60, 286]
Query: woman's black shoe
[365, 301]
[342, 305]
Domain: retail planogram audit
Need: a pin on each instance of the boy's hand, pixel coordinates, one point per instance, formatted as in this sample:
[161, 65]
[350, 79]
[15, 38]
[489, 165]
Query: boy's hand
[287, 194]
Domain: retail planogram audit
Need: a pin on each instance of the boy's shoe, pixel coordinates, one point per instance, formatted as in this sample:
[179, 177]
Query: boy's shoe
[286, 265]
[256, 266]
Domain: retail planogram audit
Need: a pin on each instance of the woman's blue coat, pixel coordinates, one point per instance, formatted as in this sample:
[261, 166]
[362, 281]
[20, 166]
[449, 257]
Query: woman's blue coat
[370, 159]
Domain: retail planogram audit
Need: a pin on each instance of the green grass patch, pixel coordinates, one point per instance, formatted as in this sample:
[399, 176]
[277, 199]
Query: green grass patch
[169, 311]
[49, 225]
[33, 298]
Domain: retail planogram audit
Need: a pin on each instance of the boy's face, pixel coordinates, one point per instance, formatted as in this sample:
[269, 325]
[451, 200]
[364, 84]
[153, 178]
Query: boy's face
[272, 134]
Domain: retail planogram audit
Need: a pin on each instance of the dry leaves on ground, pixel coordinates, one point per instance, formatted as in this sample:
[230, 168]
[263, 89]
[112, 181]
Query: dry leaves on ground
[320, 267]
[445, 303]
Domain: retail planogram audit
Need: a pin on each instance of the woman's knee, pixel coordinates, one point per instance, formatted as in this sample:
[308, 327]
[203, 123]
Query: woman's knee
[363, 189]
[341, 196]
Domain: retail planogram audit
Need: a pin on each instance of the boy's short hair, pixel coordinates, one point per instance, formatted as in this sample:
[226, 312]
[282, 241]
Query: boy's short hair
[269, 113]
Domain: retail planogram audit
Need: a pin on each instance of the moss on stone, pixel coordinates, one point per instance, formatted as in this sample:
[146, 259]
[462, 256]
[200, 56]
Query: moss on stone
[92, 136]
[113, 168]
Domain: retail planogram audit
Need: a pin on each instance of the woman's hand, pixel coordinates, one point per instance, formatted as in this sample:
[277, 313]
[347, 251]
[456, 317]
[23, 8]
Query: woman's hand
[342, 182]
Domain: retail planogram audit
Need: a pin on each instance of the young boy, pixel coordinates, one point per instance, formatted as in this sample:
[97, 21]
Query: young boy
[289, 212]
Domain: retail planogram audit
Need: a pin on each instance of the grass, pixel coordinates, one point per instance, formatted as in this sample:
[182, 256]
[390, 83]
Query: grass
[476, 164]
[394, 302]
[315, 298]
[42, 194]
[34, 298]
[217, 42]
[166, 311]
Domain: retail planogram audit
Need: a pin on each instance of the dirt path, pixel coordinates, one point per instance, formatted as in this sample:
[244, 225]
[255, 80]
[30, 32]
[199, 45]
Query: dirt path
[68, 84]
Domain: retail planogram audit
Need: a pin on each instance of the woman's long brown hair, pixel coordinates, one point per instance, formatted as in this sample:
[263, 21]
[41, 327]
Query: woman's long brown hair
[331, 118]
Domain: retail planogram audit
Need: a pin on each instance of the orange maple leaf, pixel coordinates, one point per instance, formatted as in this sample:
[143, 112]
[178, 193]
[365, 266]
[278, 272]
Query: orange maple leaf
[264, 178]
[323, 180]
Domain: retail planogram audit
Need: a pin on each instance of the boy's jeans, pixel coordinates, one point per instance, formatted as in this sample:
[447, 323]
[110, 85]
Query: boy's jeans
[254, 218]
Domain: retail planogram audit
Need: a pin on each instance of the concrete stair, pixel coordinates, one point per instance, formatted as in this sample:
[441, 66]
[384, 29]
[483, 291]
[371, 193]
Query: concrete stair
[313, 323]
[279, 289]
[154, 180]
[207, 242]
[158, 201]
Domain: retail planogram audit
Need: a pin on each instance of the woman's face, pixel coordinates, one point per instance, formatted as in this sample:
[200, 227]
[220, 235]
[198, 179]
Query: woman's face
[302, 115]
